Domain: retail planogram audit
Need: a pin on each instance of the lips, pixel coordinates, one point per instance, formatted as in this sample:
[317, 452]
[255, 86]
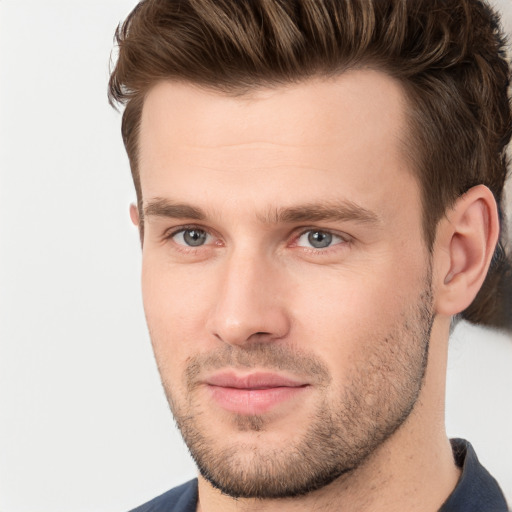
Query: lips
[255, 393]
[252, 381]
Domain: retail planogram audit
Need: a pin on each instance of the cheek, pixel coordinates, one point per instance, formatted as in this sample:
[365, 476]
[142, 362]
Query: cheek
[175, 306]
[350, 311]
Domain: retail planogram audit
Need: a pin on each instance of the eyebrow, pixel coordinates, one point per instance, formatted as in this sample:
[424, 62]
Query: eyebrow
[342, 210]
[159, 207]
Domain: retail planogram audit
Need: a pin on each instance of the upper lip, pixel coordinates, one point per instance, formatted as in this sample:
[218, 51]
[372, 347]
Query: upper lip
[258, 380]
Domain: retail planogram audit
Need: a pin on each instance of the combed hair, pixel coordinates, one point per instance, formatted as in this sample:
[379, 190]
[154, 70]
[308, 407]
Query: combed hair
[449, 56]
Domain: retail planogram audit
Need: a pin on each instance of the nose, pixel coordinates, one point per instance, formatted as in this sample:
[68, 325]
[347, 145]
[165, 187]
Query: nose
[250, 307]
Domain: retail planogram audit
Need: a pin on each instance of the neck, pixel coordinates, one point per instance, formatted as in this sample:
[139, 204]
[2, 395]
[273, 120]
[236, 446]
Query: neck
[413, 470]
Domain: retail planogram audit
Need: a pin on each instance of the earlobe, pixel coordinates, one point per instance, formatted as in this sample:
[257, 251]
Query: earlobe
[465, 243]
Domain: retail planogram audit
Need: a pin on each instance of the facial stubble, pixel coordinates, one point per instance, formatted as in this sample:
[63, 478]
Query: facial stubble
[382, 389]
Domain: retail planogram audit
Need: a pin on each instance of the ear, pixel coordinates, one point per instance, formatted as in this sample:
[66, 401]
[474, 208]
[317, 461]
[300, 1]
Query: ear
[465, 242]
[134, 215]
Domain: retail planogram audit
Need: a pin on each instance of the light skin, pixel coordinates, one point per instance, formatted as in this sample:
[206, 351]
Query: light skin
[287, 287]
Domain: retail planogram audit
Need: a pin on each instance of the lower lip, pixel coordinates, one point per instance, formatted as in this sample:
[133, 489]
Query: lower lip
[253, 401]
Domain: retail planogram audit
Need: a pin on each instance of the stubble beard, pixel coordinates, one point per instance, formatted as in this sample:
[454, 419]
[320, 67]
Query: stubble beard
[382, 389]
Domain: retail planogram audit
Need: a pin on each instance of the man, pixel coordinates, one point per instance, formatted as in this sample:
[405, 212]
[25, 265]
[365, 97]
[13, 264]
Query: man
[319, 190]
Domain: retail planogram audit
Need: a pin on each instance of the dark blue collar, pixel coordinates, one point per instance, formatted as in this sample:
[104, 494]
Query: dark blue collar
[477, 490]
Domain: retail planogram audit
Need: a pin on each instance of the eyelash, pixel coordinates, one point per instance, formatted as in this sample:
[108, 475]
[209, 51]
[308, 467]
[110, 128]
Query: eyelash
[345, 239]
[170, 234]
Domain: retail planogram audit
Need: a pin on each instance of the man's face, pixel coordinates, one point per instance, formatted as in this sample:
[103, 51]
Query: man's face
[286, 283]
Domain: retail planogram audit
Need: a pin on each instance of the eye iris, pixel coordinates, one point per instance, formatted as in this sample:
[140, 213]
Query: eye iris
[194, 237]
[319, 239]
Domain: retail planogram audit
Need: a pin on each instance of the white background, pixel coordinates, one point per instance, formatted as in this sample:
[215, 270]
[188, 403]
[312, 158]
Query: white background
[84, 425]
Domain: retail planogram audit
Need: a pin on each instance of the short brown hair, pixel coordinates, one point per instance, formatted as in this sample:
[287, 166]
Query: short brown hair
[449, 56]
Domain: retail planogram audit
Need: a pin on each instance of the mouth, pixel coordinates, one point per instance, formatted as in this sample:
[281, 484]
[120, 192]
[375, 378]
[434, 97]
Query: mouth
[253, 394]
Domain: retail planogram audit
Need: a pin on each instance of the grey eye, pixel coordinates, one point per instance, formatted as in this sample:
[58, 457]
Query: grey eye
[191, 237]
[319, 239]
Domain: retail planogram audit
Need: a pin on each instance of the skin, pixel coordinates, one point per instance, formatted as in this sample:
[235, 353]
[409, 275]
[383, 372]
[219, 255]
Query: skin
[254, 175]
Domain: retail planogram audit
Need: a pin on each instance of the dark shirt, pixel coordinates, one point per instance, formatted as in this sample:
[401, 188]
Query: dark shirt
[476, 491]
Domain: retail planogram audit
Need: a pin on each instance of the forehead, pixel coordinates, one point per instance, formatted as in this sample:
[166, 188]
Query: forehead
[327, 106]
[343, 133]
